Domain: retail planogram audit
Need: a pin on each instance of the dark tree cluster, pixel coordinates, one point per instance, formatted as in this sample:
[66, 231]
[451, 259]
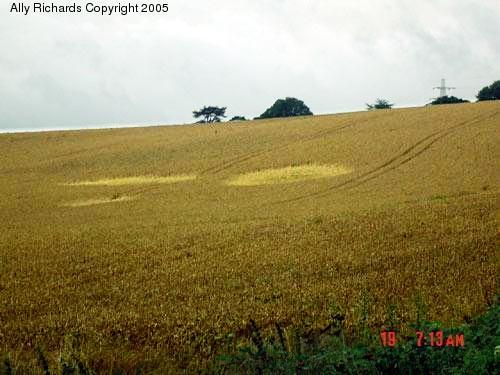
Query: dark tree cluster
[210, 114]
[238, 118]
[491, 92]
[448, 100]
[379, 104]
[288, 107]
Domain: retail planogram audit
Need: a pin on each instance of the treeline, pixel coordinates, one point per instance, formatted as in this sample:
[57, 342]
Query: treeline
[287, 107]
[290, 107]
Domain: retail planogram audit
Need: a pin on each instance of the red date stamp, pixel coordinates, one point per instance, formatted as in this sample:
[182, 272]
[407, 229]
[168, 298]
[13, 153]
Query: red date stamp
[436, 339]
[388, 338]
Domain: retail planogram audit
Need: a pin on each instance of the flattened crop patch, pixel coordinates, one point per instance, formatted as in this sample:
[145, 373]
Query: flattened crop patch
[136, 180]
[288, 175]
[92, 202]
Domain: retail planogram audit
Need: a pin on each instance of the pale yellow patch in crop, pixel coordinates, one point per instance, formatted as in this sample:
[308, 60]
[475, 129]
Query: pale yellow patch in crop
[288, 175]
[136, 180]
[92, 202]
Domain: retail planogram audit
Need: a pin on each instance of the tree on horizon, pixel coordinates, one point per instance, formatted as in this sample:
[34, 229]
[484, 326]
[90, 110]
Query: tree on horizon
[448, 100]
[238, 118]
[379, 104]
[491, 92]
[210, 114]
[287, 107]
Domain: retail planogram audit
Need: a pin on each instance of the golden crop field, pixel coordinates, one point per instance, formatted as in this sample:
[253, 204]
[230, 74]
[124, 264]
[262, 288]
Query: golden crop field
[149, 244]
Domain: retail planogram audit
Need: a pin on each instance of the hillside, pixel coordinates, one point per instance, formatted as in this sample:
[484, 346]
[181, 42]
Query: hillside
[150, 242]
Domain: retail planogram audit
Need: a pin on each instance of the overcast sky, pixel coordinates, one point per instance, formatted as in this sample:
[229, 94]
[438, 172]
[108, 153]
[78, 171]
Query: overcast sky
[79, 70]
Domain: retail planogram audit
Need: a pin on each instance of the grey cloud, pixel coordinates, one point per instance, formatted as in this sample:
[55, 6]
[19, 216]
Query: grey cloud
[78, 70]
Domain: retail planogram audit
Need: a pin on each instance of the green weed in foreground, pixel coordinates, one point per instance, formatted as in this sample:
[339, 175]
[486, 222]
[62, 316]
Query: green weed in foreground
[328, 351]
[331, 353]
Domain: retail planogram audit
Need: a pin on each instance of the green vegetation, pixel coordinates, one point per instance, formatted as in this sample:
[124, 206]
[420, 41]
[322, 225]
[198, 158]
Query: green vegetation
[238, 118]
[288, 107]
[334, 351]
[379, 104]
[448, 100]
[210, 114]
[330, 350]
[491, 92]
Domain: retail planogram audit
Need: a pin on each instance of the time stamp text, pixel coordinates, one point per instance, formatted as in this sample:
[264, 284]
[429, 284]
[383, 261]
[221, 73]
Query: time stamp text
[435, 339]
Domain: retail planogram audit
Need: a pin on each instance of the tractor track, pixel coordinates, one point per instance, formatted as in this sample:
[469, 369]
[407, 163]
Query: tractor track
[255, 154]
[394, 162]
[380, 170]
[228, 164]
